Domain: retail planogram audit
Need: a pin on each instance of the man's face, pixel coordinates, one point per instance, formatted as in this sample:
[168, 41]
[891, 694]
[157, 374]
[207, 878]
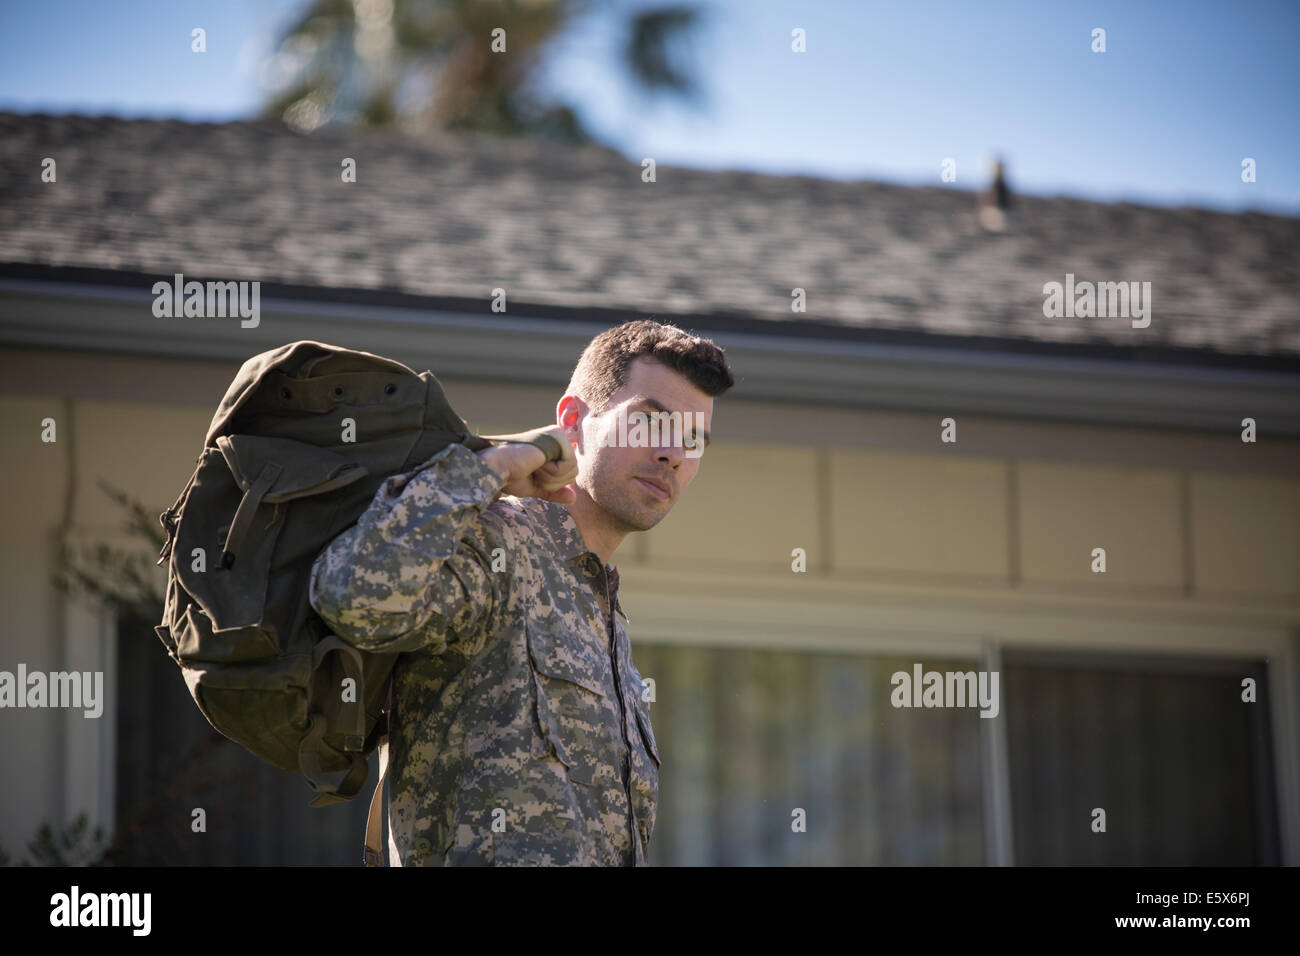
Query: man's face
[619, 465]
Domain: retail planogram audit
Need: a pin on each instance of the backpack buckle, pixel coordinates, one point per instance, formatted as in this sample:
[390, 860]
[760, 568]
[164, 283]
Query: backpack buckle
[168, 521]
[353, 742]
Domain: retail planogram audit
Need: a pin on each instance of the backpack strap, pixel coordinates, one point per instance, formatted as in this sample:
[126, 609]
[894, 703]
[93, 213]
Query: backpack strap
[352, 668]
[309, 766]
[244, 513]
[374, 854]
[309, 762]
[549, 445]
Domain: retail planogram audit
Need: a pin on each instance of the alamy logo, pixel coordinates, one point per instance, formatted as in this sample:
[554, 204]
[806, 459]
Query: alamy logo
[102, 909]
[1102, 300]
[56, 689]
[947, 689]
[660, 430]
[208, 300]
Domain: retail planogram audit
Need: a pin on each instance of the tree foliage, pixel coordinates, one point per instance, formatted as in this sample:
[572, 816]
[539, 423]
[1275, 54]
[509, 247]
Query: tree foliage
[424, 65]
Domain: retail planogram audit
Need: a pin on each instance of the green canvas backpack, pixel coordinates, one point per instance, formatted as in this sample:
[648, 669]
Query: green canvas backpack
[297, 448]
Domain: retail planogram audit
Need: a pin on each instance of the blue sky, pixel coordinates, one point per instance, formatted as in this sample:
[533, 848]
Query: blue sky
[885, 91]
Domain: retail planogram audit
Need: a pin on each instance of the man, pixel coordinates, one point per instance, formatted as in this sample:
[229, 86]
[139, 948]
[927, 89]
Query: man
[519, 732]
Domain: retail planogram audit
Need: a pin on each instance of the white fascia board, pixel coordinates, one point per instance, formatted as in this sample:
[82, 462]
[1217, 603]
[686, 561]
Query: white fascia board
[948, 381]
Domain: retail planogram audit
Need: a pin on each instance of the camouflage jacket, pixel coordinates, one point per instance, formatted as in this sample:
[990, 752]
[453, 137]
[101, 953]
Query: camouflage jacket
[519, 734]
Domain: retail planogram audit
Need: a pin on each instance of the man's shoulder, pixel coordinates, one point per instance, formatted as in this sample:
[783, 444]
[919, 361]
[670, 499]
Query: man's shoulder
[526, 521]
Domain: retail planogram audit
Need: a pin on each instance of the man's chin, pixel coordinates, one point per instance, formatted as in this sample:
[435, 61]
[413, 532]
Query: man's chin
[638, 520]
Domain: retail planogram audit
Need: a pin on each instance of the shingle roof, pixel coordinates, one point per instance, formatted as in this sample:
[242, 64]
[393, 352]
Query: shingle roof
[558, 226]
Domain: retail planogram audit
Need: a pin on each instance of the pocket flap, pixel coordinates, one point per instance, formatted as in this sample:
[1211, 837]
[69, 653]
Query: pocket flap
[643, 720]
[305, 469]
[567, 656]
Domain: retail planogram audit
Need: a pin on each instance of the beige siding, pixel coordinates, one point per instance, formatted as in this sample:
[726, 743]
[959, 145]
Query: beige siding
[148, 450]
[1068, 510]
[1247, 535]
[923, 514]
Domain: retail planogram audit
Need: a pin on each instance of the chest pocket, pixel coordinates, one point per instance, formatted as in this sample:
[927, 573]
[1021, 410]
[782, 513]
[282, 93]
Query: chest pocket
[575, 708]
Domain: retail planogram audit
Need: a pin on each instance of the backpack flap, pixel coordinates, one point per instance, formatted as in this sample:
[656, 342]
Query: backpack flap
[275, 470]
[290, 359]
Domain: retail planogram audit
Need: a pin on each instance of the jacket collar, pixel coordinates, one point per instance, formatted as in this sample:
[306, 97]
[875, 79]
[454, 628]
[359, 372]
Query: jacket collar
[564, 531]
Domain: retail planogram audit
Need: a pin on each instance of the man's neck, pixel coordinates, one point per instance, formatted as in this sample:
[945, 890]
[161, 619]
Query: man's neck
[596, 533]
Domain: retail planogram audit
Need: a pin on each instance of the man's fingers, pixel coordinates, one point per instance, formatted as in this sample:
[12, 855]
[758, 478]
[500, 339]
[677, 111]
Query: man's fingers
[556, 474]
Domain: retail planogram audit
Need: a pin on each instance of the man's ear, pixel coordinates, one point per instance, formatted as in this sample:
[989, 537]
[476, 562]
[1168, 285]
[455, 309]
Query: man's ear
[568, 413]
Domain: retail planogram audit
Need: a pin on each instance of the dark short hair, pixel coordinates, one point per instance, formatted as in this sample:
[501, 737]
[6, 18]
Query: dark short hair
[603, 367]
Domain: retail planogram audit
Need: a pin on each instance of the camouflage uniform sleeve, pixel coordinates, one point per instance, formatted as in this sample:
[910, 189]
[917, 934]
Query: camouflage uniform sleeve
[415, 571]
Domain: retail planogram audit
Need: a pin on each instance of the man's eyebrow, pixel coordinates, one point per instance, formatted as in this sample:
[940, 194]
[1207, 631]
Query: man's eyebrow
[658, 406]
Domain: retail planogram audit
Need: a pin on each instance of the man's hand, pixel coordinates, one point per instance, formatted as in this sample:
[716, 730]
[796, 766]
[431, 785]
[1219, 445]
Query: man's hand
[528, 474]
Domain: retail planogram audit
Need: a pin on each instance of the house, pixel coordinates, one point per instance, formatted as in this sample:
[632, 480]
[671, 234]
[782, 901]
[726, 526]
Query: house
[919, 471]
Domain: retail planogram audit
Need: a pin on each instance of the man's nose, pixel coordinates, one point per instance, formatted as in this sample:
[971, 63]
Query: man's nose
[670, 455]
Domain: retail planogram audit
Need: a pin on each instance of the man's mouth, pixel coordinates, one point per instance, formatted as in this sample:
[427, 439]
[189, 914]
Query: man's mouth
[656, 488]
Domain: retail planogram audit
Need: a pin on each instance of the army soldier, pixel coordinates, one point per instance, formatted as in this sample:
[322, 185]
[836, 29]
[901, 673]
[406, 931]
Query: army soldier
[520, 733]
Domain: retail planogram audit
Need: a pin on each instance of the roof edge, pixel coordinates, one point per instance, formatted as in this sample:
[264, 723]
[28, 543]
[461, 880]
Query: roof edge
[701, 323]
